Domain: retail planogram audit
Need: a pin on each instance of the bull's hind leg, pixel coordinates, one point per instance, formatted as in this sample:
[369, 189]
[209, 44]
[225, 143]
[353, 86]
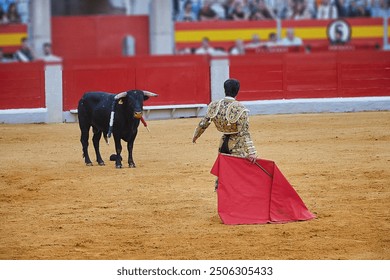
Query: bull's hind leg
[84, 142]
[97, 135]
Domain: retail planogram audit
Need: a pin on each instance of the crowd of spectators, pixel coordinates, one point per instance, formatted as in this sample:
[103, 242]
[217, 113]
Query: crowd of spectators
[272, 43]
[16, 11]
[236, 10]
[9, 14]
[202, 10]
[26, 54]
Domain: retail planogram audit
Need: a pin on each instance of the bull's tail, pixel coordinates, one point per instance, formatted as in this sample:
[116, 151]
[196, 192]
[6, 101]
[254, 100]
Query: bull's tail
[106, 139]
[111, 123]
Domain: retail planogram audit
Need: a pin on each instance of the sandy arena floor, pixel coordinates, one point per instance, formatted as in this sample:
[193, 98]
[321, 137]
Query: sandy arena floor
[54, 207]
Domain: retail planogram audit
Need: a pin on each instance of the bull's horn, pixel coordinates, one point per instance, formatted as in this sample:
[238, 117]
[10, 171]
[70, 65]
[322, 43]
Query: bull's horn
[120, 95]
[150, 94]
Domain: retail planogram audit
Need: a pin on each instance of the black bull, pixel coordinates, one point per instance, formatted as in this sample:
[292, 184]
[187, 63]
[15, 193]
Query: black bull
[106, 113]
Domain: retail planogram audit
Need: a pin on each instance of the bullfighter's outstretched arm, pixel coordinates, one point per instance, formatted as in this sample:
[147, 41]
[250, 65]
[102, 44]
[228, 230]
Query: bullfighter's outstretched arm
[202, 126]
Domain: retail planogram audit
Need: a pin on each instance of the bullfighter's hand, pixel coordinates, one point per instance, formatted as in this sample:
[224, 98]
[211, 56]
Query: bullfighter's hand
[252, 158]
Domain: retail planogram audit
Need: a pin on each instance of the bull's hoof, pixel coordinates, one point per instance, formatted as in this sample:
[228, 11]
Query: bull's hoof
[132, 165]
[113, 157]
[88, 164]
[101, 163]
[118, 166]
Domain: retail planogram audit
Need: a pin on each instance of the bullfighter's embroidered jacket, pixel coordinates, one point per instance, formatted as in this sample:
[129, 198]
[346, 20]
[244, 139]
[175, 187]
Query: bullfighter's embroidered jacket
[231, 118]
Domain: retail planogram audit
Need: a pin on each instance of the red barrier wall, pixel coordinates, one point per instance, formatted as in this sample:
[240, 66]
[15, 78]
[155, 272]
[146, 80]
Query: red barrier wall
[177, 79]
[364, 74]
[22, 85]
[111, 75]
[186, 79]
[316, 75]
[98, 36]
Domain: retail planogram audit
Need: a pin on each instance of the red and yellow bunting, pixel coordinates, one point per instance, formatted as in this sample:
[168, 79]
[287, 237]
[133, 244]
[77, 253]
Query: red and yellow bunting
[226, 32]
[11, 36]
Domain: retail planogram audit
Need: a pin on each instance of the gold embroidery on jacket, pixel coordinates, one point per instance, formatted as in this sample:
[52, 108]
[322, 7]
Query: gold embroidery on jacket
[229, 117]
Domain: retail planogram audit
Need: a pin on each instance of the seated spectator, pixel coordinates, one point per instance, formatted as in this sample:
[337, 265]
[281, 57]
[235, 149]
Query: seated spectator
[187, 14]
[228, 6]
[175, 8]
[285, 9]
[219, 9]
[48, 55]
[23, 7]
[262, 12]
[342, 8]
[186, 50]
[4, 58]
[24, 54]
[326, 10]
[381, 8]
[290, 39]
[357, 9]
[238, 48]
[278, 7]
[206, 48]
[206, 13]
[248, 6]
[238, 12]
[1, 55]
[3, 16]
[299, 10]
[12, 14]
[312, 6]
[273, 40]
[255, 42]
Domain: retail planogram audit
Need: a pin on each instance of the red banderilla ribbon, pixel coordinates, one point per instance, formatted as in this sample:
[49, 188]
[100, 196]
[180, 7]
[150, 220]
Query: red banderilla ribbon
[144, 123]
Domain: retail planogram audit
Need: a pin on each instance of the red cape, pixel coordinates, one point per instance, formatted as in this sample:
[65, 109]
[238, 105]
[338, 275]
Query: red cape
[248, 195]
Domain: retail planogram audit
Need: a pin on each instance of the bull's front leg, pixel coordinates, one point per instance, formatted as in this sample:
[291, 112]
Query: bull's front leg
[130, 145]
[118, 149]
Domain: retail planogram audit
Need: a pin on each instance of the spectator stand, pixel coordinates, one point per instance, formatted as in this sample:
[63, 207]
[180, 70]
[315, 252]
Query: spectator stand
[367, 33]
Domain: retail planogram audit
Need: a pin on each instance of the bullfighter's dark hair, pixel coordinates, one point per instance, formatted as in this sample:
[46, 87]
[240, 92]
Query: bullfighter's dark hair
[231, 86]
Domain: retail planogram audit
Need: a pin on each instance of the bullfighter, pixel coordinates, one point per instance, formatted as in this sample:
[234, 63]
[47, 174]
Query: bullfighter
[231, 118]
